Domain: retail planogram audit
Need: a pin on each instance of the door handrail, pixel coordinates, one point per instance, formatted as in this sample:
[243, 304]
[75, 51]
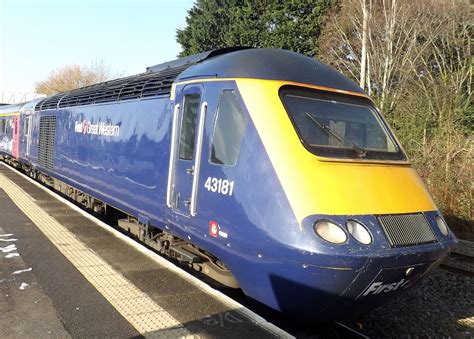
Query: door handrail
[169, 192]
[197, 161]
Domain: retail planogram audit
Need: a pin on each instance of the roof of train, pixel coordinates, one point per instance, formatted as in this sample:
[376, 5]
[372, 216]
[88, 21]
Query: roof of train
[233, 62]
[5, 109]
[22, 106]
[271, 64]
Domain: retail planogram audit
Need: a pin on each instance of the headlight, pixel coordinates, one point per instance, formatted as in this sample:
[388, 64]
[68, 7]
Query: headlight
[330, 232]
[359, 232]
[442, 225]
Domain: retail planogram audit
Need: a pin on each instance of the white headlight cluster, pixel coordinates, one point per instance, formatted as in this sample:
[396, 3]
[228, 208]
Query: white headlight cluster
[335, 234]
[359, 232]
[330, 232]
[443, 227]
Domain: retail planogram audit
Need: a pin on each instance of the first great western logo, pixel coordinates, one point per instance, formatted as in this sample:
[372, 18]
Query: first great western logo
[100, 128]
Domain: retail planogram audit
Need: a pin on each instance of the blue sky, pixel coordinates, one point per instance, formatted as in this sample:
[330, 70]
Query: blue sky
[39, 36]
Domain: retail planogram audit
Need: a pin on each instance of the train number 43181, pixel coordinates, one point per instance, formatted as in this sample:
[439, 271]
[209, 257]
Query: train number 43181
[221, 186]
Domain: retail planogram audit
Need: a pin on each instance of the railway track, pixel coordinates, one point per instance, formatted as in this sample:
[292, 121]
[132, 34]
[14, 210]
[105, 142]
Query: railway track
[461, 259]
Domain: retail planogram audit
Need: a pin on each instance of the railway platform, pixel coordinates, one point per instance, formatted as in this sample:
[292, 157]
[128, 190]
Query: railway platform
[64, 274]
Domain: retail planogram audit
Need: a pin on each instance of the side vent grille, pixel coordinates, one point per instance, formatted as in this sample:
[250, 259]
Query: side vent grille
[407, 229]
[49, 102]
[47, 137]
[134, 87]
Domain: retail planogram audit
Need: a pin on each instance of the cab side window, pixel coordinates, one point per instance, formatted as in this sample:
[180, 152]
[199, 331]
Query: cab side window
[229, 129]
[188, 126]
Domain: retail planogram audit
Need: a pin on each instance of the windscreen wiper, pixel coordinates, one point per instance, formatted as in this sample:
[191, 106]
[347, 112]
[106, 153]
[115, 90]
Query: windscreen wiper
[361, 153]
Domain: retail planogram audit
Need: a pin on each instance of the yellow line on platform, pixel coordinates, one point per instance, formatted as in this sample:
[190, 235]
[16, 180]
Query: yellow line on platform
[135, 306]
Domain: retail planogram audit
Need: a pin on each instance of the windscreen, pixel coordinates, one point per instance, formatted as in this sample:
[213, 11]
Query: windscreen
[337, 125]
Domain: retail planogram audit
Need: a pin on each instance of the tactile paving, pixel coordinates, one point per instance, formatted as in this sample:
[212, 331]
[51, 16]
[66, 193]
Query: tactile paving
[140, 305]
[134, 305]
[108, 280]
[71, 247]
[146, 322]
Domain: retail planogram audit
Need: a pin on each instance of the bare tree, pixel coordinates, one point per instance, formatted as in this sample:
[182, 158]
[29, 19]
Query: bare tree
[363, 62]
[375, 34]
[72, 77]
[418, 67]
[444, 83]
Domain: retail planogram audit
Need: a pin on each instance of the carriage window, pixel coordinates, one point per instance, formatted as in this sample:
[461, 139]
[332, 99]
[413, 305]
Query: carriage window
[229, 130]
[188, 126]
[26, 126]
[6, 125]
[3, 125]
[339, 125]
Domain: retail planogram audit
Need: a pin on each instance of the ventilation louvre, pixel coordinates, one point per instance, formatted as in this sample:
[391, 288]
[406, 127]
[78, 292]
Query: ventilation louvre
[134, 87]
[47, 138]
[407, 229]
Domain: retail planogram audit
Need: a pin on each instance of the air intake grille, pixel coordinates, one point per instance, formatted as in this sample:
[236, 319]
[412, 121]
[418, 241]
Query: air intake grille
[134, 87]
[407, 229]
[47, 137]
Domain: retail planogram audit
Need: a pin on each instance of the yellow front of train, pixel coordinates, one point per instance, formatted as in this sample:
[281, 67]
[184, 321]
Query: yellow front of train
[321, 166]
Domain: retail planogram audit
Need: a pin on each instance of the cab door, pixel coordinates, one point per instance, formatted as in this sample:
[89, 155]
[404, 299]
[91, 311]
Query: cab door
[186, 148]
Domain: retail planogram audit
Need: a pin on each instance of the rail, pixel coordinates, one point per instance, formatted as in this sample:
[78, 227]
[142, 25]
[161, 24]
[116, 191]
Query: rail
[461, 259]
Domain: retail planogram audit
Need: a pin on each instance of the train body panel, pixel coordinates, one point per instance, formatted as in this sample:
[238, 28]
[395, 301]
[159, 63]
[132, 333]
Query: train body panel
[224, 163]
[113, 152]
[130, 170]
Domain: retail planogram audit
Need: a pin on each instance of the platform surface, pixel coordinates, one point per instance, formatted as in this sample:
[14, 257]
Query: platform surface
[62, 275]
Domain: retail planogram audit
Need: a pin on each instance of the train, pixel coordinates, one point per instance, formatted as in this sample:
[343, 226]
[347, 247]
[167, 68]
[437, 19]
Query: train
[263, 169]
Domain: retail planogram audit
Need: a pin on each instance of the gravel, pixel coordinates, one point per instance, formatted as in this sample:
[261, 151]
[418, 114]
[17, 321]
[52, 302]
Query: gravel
[441, 306]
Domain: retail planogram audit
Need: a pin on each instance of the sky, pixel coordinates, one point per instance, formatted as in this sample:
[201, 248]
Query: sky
[39, 36]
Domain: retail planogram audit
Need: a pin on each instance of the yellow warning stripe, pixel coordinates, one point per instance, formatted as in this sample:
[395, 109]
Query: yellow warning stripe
[11, 114]
[135, 306]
